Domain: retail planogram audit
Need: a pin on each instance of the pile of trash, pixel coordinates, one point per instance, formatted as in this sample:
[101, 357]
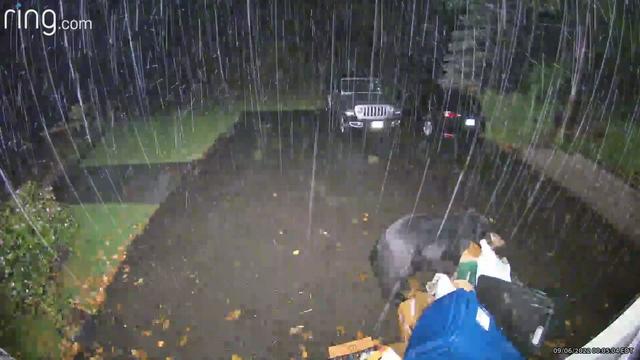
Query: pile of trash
[477, 312]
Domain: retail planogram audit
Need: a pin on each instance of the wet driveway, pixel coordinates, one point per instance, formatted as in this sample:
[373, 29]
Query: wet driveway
[242, 250]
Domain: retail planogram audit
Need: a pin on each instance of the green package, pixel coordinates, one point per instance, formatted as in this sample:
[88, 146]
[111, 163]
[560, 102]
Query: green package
[467, 271]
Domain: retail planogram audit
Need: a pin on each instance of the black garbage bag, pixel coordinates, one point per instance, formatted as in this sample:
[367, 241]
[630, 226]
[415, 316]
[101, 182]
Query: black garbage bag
[524, 314]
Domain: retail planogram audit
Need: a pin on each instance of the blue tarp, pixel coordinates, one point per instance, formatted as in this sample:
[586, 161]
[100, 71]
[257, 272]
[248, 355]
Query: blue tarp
[456, 326]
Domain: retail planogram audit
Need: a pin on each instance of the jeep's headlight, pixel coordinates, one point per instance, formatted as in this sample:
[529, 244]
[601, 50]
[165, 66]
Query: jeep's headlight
[359, 110]
[390, 108]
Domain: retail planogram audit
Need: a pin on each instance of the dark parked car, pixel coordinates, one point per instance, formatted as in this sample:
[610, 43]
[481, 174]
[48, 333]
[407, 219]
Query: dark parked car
[362, 103]
[455, 115]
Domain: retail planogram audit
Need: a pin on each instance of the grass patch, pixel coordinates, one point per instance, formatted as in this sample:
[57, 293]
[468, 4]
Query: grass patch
[36, 337]
[162, 139]
[292, 104]
[516, 119]
[616, 148]
[99, 246]
[170, 138]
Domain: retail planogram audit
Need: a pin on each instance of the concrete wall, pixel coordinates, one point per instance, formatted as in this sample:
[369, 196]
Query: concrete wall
[611, 197]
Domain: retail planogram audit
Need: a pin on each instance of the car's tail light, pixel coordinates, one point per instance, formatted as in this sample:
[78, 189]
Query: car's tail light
[451, 114]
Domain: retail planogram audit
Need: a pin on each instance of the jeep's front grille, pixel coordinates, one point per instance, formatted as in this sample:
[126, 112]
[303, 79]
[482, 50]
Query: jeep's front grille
[372, 111]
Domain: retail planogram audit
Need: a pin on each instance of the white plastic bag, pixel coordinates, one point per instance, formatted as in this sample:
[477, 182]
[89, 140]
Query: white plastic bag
[443, 284]
[490, 265]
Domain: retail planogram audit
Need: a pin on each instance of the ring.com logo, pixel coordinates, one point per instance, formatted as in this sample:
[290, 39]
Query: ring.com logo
[47, 20]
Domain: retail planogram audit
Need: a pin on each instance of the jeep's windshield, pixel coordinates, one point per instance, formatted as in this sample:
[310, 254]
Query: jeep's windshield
[360, 85]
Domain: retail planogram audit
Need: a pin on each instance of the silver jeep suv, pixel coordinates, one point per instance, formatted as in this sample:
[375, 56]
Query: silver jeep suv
[359, 103]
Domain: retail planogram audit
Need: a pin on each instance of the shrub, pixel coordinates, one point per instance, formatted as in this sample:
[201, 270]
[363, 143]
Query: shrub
[34, 231]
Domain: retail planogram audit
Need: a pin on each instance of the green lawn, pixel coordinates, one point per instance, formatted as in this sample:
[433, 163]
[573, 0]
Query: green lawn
[36, 337]
[100, 246]
[162, 139]
[169, 138]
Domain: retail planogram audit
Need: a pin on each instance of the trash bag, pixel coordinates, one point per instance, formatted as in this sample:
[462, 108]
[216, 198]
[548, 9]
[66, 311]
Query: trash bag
[523, 314]
[456, 326]
[489, 264]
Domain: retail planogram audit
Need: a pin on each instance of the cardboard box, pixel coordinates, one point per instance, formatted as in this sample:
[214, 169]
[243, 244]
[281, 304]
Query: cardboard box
[355, 347]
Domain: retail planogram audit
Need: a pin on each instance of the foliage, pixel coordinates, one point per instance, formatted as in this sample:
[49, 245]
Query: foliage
[34, 230]
[614, 145]
[522, 118]
[516, 119]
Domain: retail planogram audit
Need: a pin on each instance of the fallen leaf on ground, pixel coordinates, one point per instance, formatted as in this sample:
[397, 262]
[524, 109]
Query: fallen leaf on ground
[233, 315]
[160, 343]
[139, 354]
[340, 330]
[183, 340]
[296, 330]
[236, 357]
[307, 335]
[139, 282]
[296, 252]
[363, 276]
[146, 333]
[303, 351]
[165, 324]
